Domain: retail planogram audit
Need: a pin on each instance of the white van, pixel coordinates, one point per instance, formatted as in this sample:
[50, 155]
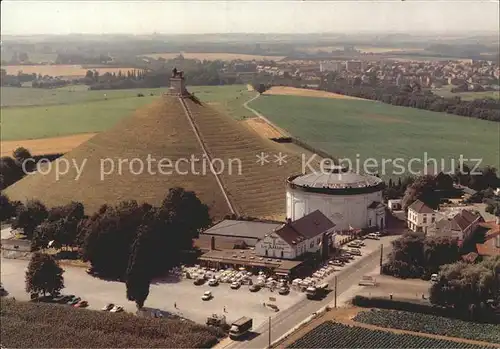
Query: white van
[434, 277]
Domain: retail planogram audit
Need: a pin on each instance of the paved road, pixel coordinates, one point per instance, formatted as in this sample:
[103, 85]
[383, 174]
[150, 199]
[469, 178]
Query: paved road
[292, 316]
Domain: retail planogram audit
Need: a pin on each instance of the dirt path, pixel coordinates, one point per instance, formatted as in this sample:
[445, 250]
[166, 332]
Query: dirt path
[262, 117]
[43, 146]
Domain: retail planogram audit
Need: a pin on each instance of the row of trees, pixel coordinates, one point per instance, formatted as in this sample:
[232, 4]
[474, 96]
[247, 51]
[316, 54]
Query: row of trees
[468, 288]
[415, 256]
[412, 96]
[129, 241]
[15, 80]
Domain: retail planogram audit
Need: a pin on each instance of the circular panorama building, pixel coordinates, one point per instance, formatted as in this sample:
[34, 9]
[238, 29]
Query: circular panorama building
[348, 199]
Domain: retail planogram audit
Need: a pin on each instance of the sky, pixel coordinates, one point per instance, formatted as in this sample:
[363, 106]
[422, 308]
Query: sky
[272, 16]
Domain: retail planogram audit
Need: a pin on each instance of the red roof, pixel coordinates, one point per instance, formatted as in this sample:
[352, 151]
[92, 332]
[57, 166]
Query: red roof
[419, 207]
[489, 247]
[307, 227]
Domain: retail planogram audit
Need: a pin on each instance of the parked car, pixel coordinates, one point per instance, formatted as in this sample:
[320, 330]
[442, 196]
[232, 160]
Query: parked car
[207, 296]
[63, 299]
[360, 242]
[199, 281]
[108, 307]
[81, 304]
[235, 285]
[354, 251]
[254, 288]
[74, 300]
[373, 236]
[337, 263]
[283, 291]
[116, 309]
[213, 282]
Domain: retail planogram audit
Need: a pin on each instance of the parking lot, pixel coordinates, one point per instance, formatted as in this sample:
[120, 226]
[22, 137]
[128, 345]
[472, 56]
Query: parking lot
[168, 293]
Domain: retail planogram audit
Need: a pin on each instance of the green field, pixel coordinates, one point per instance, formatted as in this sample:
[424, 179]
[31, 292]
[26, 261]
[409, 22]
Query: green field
[29, 113]
[345, 128]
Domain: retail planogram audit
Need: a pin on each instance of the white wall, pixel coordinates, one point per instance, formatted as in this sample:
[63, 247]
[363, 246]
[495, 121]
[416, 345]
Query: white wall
[342, 210]
[416, 220]
[274, 245]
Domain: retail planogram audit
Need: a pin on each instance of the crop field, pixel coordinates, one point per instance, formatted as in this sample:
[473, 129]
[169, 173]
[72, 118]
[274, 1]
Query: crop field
[32, 97]
[430, 324]
[38, 325]
[358, 129]
[67, 119]
[44, 146]
[364, 49]
[228, 99]
[335, 335]
[74, 110]
[212, 56]
[304, 92]
[59, 69]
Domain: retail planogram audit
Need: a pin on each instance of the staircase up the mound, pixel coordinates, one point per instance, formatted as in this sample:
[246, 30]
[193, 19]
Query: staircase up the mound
[165, 130]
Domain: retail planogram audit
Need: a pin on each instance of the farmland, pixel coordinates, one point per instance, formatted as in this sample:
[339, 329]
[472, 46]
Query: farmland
[430, 324]
[38, 325]
[60, 69]
[335, 335]
[214, 56]
[368, 129]
[74, 110]
[292, 91]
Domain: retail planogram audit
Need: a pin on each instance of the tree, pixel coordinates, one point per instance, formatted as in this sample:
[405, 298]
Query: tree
[29, 216]
[89, 74]
[261, 88]
[139, 266]
[10, 171]
[186, 216]
[6, 208]
[468, 287]
[423, 189]
[21, 155]
[109, 234]
[44, 233]
[44, 275]
[23, 57]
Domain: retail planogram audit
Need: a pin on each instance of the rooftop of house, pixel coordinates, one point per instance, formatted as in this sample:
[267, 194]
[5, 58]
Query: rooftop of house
[241, 229]
[419, 207]
[307, 227]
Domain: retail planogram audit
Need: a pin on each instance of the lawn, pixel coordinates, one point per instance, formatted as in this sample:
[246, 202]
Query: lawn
[71, 110]
[345, 128]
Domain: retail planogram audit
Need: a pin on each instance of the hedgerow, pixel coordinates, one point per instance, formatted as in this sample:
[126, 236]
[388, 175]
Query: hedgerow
[38, 325]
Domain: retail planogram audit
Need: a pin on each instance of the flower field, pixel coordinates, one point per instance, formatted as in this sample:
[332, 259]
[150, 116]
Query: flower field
[38, 325]
[334, 335]
[431, 324]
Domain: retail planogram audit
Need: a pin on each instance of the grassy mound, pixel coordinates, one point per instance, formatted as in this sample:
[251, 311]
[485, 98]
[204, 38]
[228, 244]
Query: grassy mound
[38, 325]
[162, 130]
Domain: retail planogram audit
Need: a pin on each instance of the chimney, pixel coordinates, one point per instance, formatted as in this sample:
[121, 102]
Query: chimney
[212, 243]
